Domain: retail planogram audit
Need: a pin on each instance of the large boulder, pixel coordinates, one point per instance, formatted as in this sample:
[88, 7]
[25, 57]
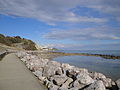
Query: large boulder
[97, 76]
[38, 73]
[71, 73]
[36, 68]
[118, 83]
[41, 62]
[46, 82]
[78, 85]
[21, 54]
[51, 68]
[54, 63]
[83, 70]
[97, 85]
[66, 67]
[23, 59]
[84, 78]
[74, 88]
[29, 56]
[59, 71]
[66, 85]
[53, 87]
[59, 80]
[107, 82]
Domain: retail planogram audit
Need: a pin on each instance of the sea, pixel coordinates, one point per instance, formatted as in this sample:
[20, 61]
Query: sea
[109, 67]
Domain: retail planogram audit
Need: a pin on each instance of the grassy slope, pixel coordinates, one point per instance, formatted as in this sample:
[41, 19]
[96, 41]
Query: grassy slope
[21, 42]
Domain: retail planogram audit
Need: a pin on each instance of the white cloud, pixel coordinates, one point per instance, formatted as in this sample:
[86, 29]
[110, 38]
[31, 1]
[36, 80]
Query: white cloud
[111, 7]
[49, 11]
[56, 45]
[100, 46]
[102, 33]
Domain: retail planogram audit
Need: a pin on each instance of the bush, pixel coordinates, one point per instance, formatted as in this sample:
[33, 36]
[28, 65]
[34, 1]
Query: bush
[28, 44]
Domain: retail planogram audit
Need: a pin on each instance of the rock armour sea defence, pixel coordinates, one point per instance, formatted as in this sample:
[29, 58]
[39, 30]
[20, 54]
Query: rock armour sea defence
[57, 76]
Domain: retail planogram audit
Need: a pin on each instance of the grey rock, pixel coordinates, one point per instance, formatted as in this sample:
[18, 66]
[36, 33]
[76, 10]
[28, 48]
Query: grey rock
[54, 63]
[113, 83]
[54, 75]
[46, 82]
[51, 68]
[71, 74]
[74, 88]
[38, 73]
[107, 82]
[84, 78]
[62, 88]
[41, 78]
[66, 67]
[83, 70]
[43, 62]
[97, 76]
[59, 80]
[37, 68]
[51, 86]
[97, 85]
[32, 57]
[59, 71]
[23, 59]
[78, 85]
[66, 84]
[21, 54]
[49, 71]
[118, 83]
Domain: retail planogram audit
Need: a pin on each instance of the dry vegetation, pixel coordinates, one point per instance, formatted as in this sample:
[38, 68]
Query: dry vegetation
[17, 41]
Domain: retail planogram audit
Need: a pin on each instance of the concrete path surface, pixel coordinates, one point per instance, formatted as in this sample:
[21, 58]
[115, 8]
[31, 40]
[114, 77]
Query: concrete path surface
[14, 75]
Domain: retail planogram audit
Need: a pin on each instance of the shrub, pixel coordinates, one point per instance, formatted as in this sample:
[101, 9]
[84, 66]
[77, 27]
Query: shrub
[7, 40]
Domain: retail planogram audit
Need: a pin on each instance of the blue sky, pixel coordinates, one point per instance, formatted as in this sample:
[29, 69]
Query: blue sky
[64, 24]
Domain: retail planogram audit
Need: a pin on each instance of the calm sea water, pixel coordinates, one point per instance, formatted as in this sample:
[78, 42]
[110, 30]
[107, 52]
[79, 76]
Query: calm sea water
[109, 67]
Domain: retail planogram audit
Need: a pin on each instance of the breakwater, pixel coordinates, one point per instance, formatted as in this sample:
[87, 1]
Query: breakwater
[86, 54]
[61, 76]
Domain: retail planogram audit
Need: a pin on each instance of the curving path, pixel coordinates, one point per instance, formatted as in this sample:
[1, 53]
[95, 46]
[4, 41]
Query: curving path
[15, 76]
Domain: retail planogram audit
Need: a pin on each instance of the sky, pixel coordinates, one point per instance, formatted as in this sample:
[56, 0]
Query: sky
[63, 24]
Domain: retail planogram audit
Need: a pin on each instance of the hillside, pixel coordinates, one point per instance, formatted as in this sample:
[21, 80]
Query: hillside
[18, 42]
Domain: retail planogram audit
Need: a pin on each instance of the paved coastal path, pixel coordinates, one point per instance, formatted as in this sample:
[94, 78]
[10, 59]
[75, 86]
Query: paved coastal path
[15, 76]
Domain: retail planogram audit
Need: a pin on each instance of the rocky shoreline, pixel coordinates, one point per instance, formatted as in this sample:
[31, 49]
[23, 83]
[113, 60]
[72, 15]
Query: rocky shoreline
[57, 76]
